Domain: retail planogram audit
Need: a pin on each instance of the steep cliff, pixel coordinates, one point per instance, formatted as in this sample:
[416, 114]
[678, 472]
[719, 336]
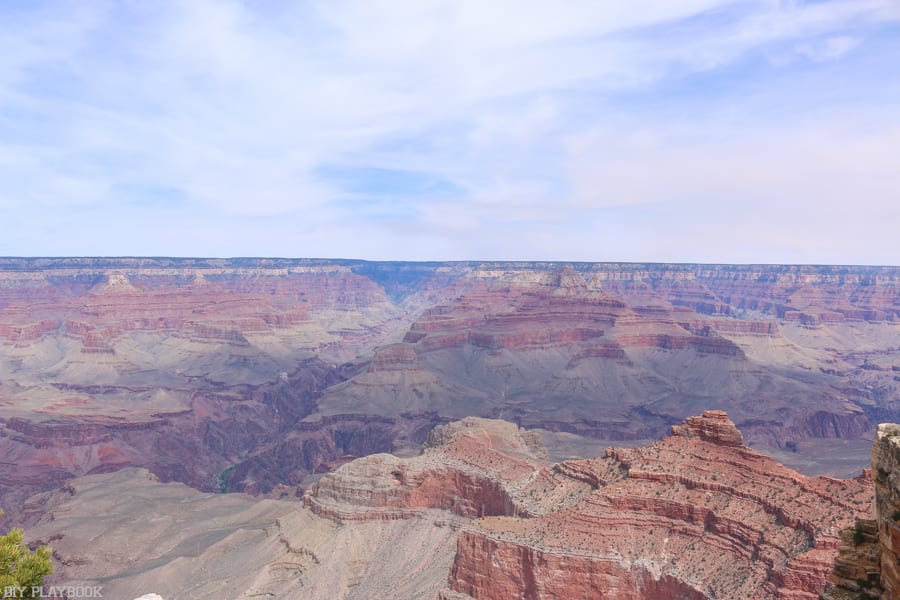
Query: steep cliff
[695, 515]
[869, 561]
[253, 374]
[478, 514]
[868, 565]
[886, 472]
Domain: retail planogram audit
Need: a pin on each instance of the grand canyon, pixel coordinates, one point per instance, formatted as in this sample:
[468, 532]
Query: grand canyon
[237, 428]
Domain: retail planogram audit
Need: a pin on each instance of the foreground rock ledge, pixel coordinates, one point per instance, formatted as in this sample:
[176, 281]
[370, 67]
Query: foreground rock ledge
[479, 514]
[695, 515]
[868, 564]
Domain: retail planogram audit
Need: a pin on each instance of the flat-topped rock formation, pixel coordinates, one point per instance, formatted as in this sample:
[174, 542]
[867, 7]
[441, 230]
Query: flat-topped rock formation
[712, 426]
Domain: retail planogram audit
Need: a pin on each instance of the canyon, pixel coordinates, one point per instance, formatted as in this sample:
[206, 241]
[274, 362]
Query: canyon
[255, 374]
[293, 382]
[479, 513]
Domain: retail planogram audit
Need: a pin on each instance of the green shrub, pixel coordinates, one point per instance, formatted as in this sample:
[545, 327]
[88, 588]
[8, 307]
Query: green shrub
[20, 567]
[858, 535]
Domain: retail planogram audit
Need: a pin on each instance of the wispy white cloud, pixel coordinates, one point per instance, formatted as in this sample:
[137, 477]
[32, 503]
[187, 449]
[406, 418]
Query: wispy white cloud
[534, 117]
[828, 49]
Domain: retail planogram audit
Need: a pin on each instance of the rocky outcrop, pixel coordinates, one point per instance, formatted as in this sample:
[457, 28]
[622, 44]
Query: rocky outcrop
[886, 474]
[712, 426]
[868, 565]
[857, 568]
[471, 468]
[695, 515]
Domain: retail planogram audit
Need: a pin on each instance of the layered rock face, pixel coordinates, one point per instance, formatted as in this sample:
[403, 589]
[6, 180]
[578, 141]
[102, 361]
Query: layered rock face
[857, 568]
[869, 562]
[886, 472]
[696, 515]
[253, 374]
[615, 359]
[478, 514]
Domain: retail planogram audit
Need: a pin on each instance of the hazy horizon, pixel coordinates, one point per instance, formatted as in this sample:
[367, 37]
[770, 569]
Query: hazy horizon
[448, 261]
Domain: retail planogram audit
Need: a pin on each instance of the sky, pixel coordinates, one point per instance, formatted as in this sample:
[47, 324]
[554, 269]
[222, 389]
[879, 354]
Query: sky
[608, 130]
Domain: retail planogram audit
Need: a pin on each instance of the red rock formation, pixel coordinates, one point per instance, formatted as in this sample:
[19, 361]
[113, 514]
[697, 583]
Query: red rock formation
[512, 340]
[471, 470]
[886, 473]
[618, 351]
[696, 515]
[713, 426]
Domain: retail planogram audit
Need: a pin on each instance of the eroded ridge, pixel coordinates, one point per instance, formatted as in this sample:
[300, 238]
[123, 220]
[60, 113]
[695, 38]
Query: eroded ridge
[695, 515]
[472, 468]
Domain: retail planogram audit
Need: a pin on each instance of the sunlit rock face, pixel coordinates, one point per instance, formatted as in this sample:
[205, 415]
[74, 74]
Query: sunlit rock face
[868, 562]
[480, 513]
[256, 374]
[695, 515]
[886, 472]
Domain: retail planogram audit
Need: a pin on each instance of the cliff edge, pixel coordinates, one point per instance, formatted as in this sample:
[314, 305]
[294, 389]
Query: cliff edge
[868, 564]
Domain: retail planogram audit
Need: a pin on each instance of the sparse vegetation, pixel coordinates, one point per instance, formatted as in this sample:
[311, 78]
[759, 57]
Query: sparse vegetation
[858, 535]
[222, 483]
[21, 567]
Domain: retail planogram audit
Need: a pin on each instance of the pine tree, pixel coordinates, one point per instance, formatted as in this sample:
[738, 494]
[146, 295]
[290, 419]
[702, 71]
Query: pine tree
[20, 567]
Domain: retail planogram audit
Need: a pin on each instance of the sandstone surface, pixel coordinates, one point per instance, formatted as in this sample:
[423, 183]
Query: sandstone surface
[868, 564]
[695, 515]
[478, 514]
[886, 472]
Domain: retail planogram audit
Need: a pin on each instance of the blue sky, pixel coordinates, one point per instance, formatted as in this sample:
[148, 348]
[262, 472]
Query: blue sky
[665, 130]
